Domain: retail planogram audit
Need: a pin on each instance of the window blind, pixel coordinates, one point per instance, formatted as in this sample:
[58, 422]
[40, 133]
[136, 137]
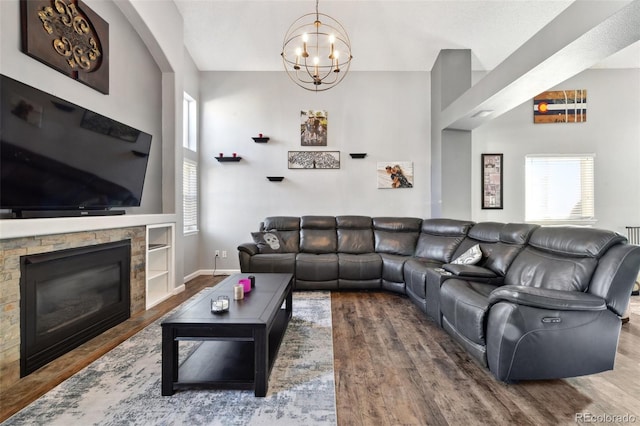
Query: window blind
[559, 188]
[190, 195]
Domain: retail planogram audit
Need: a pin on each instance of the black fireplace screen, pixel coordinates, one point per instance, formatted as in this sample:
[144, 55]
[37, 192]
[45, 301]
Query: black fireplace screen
[70, 296]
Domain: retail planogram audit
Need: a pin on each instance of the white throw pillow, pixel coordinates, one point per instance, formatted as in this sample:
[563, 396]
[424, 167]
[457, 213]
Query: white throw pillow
[469, 257]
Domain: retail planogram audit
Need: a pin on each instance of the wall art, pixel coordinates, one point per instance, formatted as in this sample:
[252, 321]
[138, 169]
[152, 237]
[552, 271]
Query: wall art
[69, 37]
[394, 174]
[313, 128]
[560, 106]
[314, 159]
[492, 181]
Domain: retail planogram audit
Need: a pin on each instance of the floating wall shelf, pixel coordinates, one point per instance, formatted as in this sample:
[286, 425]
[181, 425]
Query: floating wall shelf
[358, 154]
[224, 159]
[260, 139]
[275, 178]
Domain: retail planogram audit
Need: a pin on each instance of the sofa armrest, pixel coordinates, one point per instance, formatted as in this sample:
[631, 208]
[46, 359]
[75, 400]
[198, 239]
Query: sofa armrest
[469, 271]
[249, 248]
[547, 299]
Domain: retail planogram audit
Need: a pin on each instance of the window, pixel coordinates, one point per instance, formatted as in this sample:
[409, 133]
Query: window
[190, 195]
[189, 139]
[189, 165]
[559, 189]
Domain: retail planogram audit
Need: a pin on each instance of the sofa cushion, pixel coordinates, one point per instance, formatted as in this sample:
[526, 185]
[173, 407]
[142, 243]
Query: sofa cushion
[439, 238]
[537, 268]
[359, 266]
[318, 234]
[317, 267]
[498, 257]
[574, 241]
[355, 234]
[465, 305]
[396, 235]
[393, 267]
[273, 263]
[268, 242]
[288, 229]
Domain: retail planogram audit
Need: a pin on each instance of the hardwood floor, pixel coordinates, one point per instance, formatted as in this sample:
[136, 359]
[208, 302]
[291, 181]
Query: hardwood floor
[394, 366]
[54, 373]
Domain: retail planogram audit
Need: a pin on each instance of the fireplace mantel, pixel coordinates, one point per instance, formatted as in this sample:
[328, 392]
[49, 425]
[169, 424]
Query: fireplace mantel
[32, 236]
[16, 228]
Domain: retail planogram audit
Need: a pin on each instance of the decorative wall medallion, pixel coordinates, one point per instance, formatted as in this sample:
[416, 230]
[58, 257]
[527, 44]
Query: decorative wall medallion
[68, 36]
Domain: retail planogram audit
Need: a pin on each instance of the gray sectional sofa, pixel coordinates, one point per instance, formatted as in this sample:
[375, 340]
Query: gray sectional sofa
[537, 302]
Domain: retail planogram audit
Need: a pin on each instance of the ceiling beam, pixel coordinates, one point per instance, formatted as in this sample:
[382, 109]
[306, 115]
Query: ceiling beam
[584, 34]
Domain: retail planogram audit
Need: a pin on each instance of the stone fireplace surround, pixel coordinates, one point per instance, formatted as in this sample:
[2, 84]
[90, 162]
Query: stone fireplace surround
[14, 243]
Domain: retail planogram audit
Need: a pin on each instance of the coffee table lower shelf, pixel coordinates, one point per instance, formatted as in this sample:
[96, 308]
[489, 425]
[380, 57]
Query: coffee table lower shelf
[228, 363]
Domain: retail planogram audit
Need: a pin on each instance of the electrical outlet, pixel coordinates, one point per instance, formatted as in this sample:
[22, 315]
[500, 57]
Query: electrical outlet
[217, 253]
[224, 254]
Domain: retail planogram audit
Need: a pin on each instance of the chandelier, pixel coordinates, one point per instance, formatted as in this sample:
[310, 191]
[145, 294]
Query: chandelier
[316, 51]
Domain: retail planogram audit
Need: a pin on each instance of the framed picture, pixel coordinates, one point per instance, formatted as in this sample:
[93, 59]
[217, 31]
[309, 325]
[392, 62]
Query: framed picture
[313, 128]
[492, 181]
[560, 106]
[394, 174]
[314, 159]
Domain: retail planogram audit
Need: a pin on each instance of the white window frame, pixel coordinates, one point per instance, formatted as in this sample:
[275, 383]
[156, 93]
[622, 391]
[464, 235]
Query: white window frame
[190, 174]
[560, 189]
[190, 123]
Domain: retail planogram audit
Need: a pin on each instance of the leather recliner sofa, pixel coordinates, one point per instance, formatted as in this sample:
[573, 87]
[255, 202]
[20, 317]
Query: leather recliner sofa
[541, 302]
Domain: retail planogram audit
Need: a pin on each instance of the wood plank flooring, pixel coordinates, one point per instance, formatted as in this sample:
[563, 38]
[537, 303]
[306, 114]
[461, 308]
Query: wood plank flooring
[46, 378]
[394, 366]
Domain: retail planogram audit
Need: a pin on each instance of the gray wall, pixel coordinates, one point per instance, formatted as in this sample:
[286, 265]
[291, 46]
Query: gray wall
[383, 114]
[612, 132]
[191, 242]
[134, 93]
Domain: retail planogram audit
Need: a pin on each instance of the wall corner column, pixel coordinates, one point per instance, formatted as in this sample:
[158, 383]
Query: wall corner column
[450, 149]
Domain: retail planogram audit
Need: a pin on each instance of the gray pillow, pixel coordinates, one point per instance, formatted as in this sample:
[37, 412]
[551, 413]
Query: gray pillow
[268, 242]
[469, 257]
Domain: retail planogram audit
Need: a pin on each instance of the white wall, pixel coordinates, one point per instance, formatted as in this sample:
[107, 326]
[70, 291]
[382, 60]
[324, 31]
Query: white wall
[134, 90]
[383, 114]
[612, 132]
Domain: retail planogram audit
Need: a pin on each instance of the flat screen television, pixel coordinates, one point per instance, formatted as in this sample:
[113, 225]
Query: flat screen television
[60, 159]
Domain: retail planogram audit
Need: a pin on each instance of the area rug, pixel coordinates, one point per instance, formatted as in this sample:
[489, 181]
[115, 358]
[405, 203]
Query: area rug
[123, 386]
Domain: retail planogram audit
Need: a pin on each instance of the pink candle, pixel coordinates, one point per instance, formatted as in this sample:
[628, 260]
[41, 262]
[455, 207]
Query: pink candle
[246, 283]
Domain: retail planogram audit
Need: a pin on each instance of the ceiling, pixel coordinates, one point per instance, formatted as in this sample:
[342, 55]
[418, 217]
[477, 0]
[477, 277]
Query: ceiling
[386, 35]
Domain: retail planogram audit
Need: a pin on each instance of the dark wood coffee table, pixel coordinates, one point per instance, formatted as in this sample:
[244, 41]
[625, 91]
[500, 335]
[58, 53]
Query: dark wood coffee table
[238, 347]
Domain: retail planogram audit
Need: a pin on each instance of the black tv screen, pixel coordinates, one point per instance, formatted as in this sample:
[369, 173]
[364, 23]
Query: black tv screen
[56, 155]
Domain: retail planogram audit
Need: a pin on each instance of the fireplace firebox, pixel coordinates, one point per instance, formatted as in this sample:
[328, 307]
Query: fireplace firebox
[70, 296]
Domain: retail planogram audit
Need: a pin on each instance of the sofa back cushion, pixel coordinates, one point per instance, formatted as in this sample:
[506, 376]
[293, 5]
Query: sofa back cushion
[318, 234]
[288, 231]
[355, 234]
[439, 239]
[561, 258]
[512, 238]
[396, 235]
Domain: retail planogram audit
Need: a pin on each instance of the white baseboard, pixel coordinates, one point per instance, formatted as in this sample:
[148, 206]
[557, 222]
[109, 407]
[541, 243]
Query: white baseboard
[210, 272]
